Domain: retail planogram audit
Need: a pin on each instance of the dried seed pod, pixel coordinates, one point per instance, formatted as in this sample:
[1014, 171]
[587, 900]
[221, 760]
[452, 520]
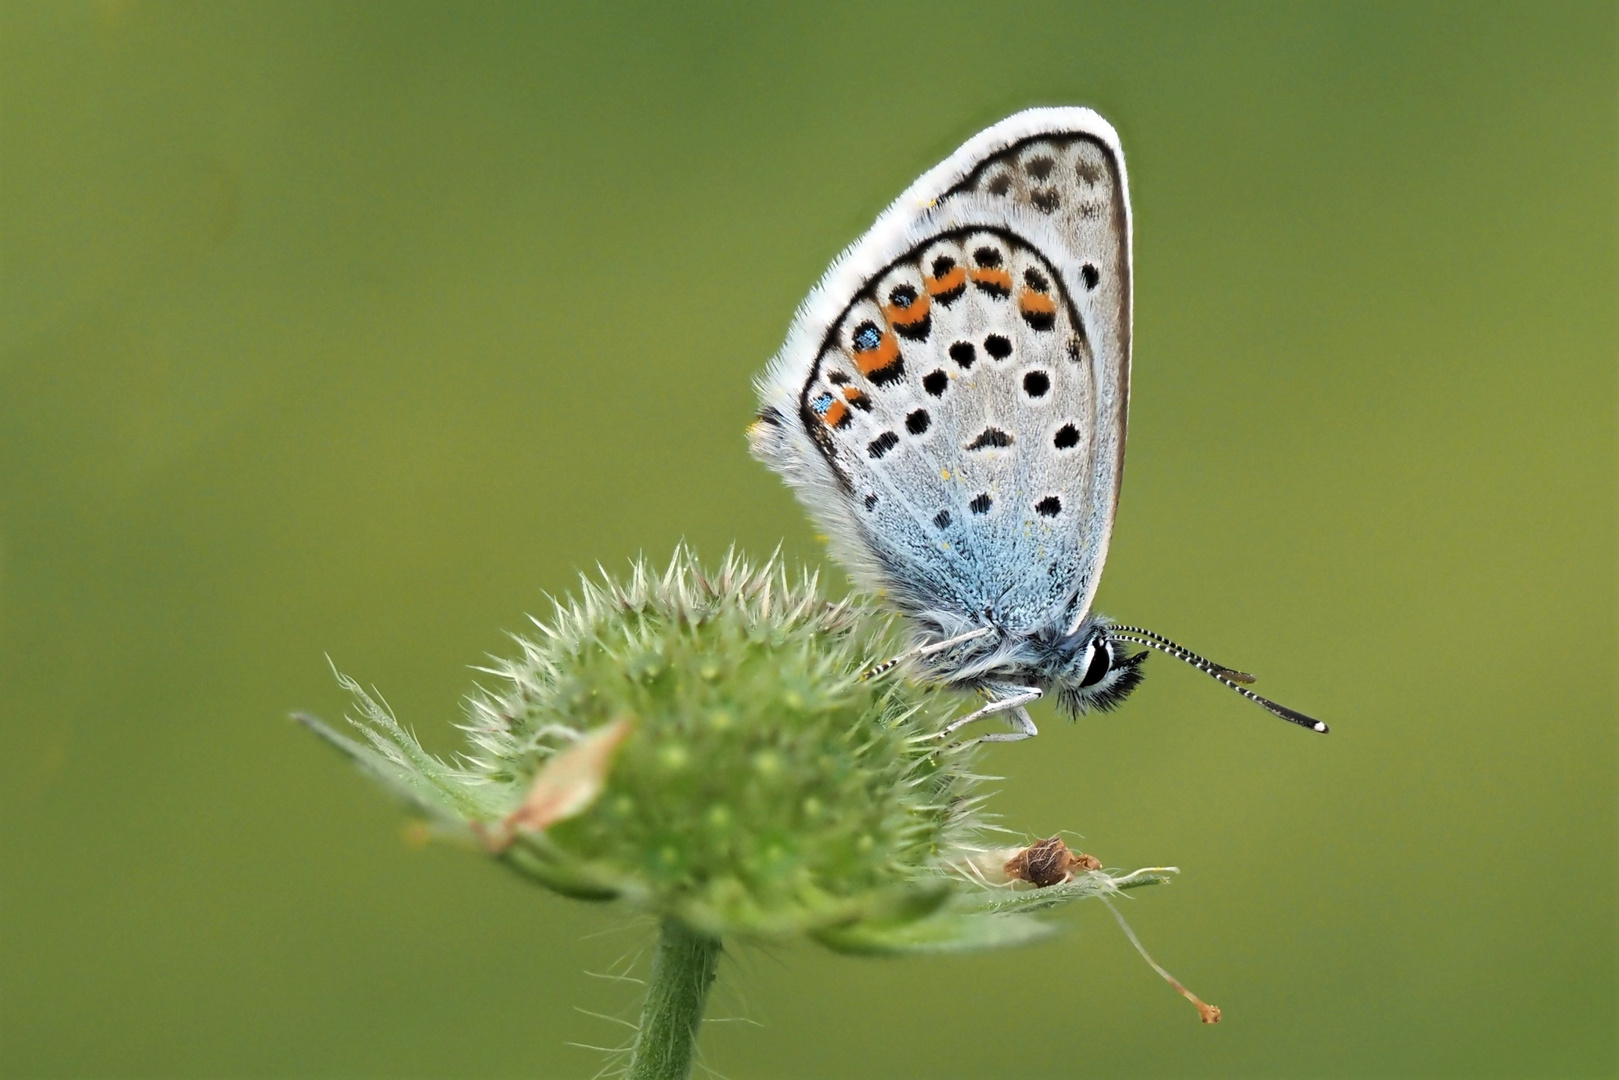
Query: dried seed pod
[1048, 862]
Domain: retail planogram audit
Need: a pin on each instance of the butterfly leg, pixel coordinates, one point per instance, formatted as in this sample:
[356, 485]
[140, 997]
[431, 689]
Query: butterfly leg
[1022, 728]
[926, 650]
[1014, 703]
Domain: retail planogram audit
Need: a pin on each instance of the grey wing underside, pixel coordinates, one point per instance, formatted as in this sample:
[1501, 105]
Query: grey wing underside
[967, 405]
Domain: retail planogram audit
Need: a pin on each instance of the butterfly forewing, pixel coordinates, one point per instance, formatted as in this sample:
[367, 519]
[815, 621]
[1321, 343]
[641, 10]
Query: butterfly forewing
[966, 396]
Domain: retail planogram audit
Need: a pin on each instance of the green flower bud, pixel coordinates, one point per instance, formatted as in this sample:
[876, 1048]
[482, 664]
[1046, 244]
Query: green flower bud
[704, 747]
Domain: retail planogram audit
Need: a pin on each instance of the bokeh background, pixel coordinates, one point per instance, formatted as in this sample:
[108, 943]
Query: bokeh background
[354, 329]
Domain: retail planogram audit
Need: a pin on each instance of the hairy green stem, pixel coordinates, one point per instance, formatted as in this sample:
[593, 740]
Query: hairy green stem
[682, 973]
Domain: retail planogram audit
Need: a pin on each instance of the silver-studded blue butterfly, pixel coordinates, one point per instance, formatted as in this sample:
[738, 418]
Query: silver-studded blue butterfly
[950, 404]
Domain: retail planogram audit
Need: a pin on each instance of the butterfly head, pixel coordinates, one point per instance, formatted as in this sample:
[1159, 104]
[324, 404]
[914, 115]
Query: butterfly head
[1094, 670]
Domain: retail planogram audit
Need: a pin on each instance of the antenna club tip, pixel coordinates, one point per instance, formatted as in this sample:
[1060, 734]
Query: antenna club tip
[1318, 726]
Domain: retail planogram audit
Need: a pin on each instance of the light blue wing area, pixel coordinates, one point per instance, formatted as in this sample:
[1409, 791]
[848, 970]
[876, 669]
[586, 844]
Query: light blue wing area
[967, 404]
[958, 404]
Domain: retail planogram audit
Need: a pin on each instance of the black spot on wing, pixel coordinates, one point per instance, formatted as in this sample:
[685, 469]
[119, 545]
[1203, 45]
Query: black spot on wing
[981, 503]
[917, 422]
[1039, 167]
[882, 444]
[1092, 276]
[942, 519]
[963, 353]
[990, 437]
[1067, 437]
[997, 346]
[934, 382]
[915, 331]
[1036, 383]
[1050, 506]
[1039, 320]
[891, 373]
[1045, 200]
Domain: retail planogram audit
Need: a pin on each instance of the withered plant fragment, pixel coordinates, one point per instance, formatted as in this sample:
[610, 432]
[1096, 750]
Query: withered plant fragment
[1048, 862]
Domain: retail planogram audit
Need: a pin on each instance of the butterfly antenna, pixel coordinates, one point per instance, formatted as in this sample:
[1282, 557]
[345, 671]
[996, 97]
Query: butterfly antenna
[1229, 677]
[1208, 666]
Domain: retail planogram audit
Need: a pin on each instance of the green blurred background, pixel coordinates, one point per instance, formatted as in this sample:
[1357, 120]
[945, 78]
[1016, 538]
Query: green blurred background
[355, 328]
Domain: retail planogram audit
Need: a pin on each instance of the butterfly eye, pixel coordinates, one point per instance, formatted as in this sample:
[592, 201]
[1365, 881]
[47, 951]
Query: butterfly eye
[1101, 661]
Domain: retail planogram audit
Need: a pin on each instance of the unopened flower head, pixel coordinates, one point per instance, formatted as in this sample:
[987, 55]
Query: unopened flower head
[704, 746]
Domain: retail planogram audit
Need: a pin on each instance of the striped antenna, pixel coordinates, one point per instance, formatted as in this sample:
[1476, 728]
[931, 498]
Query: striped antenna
[1218, 672]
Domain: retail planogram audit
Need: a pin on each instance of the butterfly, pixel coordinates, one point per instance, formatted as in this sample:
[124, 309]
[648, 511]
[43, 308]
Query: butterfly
[950, 405]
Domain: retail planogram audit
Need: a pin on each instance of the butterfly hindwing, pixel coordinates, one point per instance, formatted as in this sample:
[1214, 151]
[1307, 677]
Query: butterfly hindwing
[956, 420]
[966, 449]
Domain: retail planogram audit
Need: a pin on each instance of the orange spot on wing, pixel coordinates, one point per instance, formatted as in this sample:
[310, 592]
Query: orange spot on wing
[836, 413]
[952, 281]
[997, 278]
[886, 352]
[898, 316]
[1034, 303]
[854, 394]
